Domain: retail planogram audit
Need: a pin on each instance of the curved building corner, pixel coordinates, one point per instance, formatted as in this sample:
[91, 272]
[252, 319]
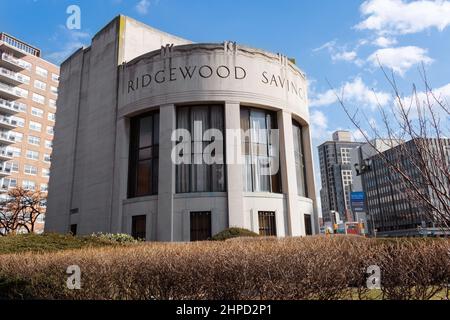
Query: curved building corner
[138, 98]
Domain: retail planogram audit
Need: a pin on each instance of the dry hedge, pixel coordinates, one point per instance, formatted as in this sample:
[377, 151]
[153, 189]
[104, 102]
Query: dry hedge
[298, 268]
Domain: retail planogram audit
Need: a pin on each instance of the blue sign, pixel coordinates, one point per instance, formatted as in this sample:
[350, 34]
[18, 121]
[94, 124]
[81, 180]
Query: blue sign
[357, 201]
[357, 196]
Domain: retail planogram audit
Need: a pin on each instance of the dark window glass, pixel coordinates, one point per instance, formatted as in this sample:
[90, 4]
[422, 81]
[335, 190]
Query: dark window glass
[308, 225]
[144, 155]
[138, 227]
[257, 149]
[73, 229]
[267, 224]
[200, 226]
[199, 176]
[299, 159]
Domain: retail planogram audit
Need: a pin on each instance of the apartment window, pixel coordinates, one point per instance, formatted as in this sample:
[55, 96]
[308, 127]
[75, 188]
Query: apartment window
[40, 85]
[47, 158]
[267, 224]
[45, 172]
[21, 92]
[41, 71]
[17, 136]
[50, 130]
[16, 152]
[308, 225]
[55, 77]
[199, 176]
[20, 122]
[200, 226]
[13, 166]
[345, 155]
[32, 155]
[7, 183]
[28, 185]
[54, 90]
[22, 107]
[38, 98]
[44, 187]
[36, 126]
[258, 150]
[138, 227]
[144, 155]
[299, 159]
[34, 140]
[28, 169]
[51, 116]
[52, 103]
[37, 112]
[23, 78]
[48, 144]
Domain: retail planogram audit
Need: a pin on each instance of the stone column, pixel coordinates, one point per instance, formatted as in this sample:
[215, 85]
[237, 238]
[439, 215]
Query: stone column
[166, 183]
[310, 179]
[120, 175]
[235, 185]
[295, 225]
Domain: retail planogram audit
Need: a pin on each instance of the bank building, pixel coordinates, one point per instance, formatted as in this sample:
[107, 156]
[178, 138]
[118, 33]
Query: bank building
[122, 104]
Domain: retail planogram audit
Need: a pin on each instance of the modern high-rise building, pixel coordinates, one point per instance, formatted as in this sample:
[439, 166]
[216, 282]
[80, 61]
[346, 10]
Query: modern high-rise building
[391, 208]
[336, 178]
[137, 99]
[28, 94]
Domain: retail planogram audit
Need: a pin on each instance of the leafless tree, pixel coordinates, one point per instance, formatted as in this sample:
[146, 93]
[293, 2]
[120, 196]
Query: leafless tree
[20, 210]
[419, 124]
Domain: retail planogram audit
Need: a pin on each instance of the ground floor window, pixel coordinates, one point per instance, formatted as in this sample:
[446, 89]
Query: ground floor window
[200, 226]
[308, 225]
[267, 224]
[138, 227]
[73, 229]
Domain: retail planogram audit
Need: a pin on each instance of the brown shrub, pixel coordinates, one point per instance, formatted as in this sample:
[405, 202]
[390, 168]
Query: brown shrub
[297, 268]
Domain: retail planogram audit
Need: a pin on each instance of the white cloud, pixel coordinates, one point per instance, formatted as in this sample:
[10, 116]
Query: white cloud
[71, 41]
[384, 42]
[344, 56]
[442, 94]
[340, 53]
[143, 6]
[402, 17]
[328, 45]
[400, 59]
[353, 92]
[319, 125]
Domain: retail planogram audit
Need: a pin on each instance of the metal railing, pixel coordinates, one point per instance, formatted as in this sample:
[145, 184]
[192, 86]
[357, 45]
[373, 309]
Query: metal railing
[15, 76]
[11, 105]
[18, 62]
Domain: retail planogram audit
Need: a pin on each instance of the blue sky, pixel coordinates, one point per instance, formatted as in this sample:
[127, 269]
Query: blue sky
[332, 40]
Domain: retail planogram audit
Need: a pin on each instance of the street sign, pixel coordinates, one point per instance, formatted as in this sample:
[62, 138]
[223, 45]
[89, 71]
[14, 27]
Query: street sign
[357, 201]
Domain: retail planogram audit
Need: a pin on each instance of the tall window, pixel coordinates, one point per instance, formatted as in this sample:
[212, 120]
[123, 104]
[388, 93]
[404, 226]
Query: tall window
[267, 224]
[299, 159]
[198, 175]
[258, 149]
[144, 155]
[200, 226]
